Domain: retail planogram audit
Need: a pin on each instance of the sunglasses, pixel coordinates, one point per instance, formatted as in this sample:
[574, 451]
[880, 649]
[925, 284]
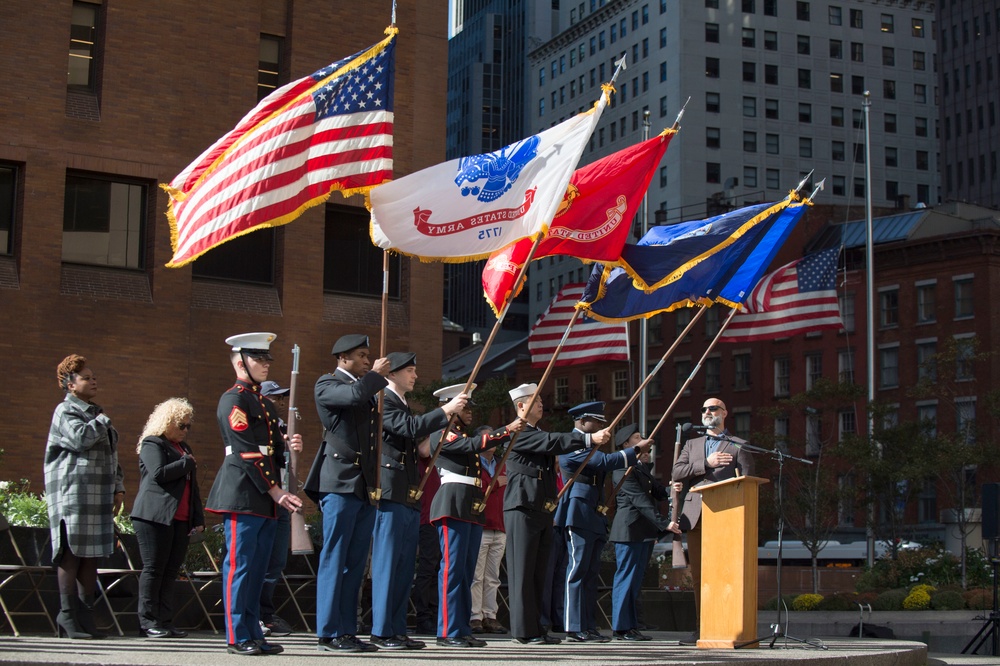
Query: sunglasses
[711, 408]
[185, 426]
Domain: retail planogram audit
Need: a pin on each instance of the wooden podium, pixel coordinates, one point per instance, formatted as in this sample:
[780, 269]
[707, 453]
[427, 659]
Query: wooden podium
[729, 562]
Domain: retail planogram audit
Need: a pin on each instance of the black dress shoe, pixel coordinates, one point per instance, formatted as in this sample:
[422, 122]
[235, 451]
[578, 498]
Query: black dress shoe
[579, 636]
[245, 647]
[177, 633]
[344, 644]
[632, 635]
[269, 648]
[389, 642]
[412, 644]
[598, 637]
[452, 641]
[156, 632]
[544, 639]
[474, 642]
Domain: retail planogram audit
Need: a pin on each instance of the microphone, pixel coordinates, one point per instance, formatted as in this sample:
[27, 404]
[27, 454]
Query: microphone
[690, 426]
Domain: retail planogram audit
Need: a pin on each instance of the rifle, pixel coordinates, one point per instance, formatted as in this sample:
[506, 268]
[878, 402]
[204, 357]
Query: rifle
[678, 559]
[301, 543]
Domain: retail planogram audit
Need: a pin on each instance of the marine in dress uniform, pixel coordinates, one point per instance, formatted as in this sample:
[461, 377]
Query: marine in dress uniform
[529, 500]
[581, 516]
[636, 526]
[339, 482]
[397, 519]
[705, 460]
[459, 523]
[246, 492]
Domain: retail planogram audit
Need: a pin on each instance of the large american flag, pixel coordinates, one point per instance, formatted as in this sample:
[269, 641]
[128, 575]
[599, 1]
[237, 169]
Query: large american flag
[329, 131]
[589, 341]
[797, 298]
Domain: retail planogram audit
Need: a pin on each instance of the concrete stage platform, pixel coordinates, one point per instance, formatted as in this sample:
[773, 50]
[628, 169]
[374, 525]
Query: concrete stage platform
[208, 648]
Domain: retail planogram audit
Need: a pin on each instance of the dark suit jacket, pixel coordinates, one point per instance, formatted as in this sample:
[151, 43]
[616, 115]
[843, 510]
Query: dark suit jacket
[401, 431]
[531, 474]
[636, 516]
[692, 471]
[460, 455]
[163, 474]
[345, 461]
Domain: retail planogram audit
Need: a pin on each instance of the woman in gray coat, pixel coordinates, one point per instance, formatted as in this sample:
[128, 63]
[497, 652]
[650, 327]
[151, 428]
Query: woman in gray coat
[83, 489]
[166, 512]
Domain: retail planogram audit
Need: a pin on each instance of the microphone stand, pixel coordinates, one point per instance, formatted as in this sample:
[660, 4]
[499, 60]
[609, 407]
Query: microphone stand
[777, 630]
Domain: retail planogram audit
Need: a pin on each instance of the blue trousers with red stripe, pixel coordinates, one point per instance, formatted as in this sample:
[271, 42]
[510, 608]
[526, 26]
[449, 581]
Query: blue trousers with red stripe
[248, 550]
[459, 552]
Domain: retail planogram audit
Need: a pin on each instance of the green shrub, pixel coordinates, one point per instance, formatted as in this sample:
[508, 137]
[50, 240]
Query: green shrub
[867, 598]
[772, 603]
[805, 602]
[838, 602]
[947, 600]
[22, 507]
[891, 600]
[931, 565]
[919, 599]
[979, 599]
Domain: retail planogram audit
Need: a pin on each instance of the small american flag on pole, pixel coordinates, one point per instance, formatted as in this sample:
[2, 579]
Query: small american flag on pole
[797, 298]
[588, 341]
[331, 130]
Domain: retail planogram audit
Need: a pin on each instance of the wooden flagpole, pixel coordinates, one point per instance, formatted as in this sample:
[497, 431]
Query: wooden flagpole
[375, 494]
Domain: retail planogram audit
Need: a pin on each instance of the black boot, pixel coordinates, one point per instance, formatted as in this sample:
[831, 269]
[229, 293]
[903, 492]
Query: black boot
[68, 618]
[85, 617]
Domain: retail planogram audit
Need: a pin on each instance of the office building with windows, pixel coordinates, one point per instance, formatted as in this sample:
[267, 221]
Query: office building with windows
[105, 102]
[968, 35]
[775, 89]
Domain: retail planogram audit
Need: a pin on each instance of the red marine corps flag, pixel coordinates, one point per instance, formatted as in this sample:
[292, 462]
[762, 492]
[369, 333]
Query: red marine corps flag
[593, 220]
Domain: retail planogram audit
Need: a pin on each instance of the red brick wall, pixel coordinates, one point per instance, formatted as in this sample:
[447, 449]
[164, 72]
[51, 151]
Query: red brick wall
[177, 74]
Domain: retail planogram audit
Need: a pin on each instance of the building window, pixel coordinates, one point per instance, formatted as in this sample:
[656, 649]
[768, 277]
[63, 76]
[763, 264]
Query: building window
[888, 25]
[889, 89]
[846, 302]
[837, 151]
[920, 93]
[750, 107]
[749, 72]
[845, 500]
[713, 102]
[837, 116]
[772, 144]
[927, 417]
[802, 11]
[857, 85]
[750, 175]
[839, 186]
[749, 38]
[888, 367]
[782, 377]
[836, 82]
[772, 179]
[857, 18]
[814, 435]
[654, 328]
[965, 350]
[104, 221]
[845, 366]
[771, 75]
[712, 137]
[741, 370]
[802, 44]
[836, 49]
[926, 359]
[890, 123]
[712, 33]
[927, 502]
[805, 147]
[888, 56]
[917, 26]
[681, 322]
[814, 370]
[713, 172]
[805, 113]
[963, 297]
[269, 66]
[713, 375]
[352, 264]
[888, 303]
[966, 418]
[682, 368]
[891, 157]
[83, 46]
[711, 323]
[771, 109]
[836, 15]
[781, 432]
[8, 207]
[654, 389]
[620, 384]
[712, 68]
[590, 388]
[926, 301]
[805, 78]
[848, 424]
[857, 52]
[770, 40]
[562, 391]
[741, 425]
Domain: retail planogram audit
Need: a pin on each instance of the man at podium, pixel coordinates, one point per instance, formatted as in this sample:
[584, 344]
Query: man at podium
[715, 456]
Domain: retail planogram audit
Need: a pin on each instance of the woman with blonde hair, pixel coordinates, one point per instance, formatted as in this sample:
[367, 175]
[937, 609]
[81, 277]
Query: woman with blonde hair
[83, 490]
[167, 511]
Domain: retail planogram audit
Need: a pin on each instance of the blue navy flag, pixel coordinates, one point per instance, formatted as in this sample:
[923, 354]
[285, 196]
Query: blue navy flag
[717, 260]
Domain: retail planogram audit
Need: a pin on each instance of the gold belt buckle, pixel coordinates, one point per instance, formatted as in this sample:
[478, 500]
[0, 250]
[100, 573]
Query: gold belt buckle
[550, 506]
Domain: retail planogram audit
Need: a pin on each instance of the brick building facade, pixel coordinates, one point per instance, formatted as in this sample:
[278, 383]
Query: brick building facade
[151, 85]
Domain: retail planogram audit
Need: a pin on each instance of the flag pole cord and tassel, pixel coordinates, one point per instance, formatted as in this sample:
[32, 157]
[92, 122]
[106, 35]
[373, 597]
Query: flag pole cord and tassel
[635, 396]
[518, 283]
